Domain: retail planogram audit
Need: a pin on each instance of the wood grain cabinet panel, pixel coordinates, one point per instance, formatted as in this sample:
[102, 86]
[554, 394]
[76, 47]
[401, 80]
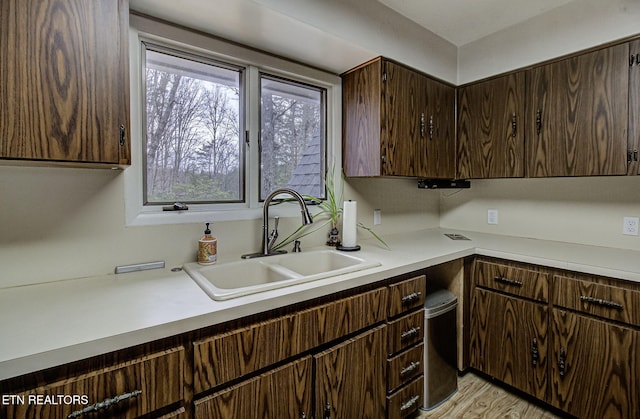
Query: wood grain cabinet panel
[491, 126]
[633, 152]
[405, 331]
[397, 122]
[601, 300]
[595, 367]
[509, 341]
[406, 401]
[404, 367]
[145, 384]
[350, 377]
[578, 114]
[231, 355]
[65, 81]
[407, 295]
[284, 392]
[517, 280]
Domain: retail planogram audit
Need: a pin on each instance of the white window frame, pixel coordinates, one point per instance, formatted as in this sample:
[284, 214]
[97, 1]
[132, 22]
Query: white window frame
[254, 61]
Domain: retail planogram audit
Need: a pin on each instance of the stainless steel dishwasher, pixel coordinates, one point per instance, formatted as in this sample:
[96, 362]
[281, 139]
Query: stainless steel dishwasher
[440, 354]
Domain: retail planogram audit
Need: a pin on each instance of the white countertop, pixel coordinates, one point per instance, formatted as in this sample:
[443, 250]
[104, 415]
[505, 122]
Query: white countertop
[54, 323]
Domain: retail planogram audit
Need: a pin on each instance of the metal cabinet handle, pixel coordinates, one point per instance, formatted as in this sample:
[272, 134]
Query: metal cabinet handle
[431, 127]
[538, 121]
[409, 368]
[562, 362]
[507, 281]
[105, 404]
[534, 352]
[410, 332]
[601, 302]
[409, 298]
[409, 403]
[123, 135]
[514, 125]
[327, 411]
[422, 127]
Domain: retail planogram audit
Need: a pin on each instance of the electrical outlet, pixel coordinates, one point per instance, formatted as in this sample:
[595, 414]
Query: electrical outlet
[377, 217]
[630, 226]
[492, 216]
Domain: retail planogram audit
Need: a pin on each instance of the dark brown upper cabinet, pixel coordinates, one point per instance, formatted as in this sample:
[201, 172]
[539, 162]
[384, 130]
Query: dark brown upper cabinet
[634, 108]
[578, 114]
[65, 82]
[397, 122]
[491, 128]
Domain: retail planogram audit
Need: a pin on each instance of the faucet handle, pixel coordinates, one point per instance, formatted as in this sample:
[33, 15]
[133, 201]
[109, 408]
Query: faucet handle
[276, 220]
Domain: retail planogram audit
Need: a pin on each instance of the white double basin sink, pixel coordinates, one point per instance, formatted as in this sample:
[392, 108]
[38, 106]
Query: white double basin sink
[235, 279]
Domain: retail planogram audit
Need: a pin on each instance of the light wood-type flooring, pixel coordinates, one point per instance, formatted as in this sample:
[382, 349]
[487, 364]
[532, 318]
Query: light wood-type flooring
[478, 398]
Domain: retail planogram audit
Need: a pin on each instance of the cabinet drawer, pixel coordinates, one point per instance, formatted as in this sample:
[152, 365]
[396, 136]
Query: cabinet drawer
[607, 301]
[405, 331]
[406, 401]
[142, 386]
[404, 367]
[231, 355]
[407, 295]
[284, 392]
[513, 280]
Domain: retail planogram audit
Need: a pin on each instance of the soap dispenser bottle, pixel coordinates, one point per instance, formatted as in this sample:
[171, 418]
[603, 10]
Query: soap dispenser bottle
[207, 248]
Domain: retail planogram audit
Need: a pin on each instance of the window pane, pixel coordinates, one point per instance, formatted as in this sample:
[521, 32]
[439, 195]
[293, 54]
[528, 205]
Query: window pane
[193, 147]
[292, 137]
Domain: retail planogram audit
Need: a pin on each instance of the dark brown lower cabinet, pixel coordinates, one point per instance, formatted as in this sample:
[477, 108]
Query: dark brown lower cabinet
[281, 393]
[509, 340]
[595, 367]
[351, 378]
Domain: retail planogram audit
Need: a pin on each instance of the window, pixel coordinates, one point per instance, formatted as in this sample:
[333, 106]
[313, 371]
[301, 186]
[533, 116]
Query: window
[196, 138]
[291, 137]
[218, 126]
[192, 130]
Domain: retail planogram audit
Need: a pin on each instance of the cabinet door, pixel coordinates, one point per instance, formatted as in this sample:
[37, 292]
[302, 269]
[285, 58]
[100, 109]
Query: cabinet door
[578, 115]
[435, 151]
[361, 107]
[509, 341]
[64, 78]
[491, 128]
[595, 367]
[282, 393]
[402, 106]
[351, 378]
[634, 108]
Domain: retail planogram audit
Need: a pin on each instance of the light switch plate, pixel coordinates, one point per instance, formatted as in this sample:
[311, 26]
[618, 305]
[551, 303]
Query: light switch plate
[492, 216]
[630, 226]
[377, 217]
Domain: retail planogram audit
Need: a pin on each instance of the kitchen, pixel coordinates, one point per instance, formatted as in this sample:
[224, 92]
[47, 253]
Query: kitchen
[60, 224]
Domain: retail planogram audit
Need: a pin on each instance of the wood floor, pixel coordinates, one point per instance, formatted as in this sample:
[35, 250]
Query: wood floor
[478, 398]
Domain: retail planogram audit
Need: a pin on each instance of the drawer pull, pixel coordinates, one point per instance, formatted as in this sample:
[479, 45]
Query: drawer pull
[409, 368]
[507, 281]
[562, 362]
[408, 299]
[409, 403]
[410, 333]
[105, 404]
[601, 302]
[534, 352]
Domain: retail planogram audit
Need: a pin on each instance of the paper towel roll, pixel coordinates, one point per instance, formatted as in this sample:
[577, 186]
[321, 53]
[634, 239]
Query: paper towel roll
[349, 214]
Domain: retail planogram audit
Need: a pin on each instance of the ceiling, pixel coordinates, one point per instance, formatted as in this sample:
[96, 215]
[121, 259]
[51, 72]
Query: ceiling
[463, 21]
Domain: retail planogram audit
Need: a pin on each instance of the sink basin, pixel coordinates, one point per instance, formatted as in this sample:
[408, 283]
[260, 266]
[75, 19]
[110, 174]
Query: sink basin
[235, 279]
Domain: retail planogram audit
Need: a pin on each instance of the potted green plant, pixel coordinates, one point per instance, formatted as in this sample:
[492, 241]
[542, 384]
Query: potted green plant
[330, 211]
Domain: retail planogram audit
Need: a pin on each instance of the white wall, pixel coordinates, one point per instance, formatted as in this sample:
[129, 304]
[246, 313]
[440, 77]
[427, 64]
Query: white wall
[577, 210]
[575, 26]
[59, 223]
